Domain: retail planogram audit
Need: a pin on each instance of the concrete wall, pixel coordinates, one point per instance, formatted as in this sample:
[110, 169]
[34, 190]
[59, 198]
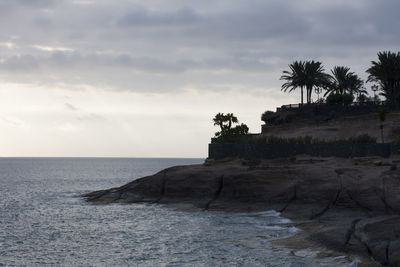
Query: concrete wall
[270, 151]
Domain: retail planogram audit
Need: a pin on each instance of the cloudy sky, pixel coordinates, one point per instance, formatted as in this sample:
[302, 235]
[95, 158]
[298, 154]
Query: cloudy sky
[134, 78]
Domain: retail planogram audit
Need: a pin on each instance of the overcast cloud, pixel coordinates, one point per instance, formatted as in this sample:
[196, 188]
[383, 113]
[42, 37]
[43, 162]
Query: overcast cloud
[167, 47]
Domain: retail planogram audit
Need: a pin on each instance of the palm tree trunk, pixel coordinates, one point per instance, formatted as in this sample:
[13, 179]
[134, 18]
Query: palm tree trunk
[309, 94]
[302, 102]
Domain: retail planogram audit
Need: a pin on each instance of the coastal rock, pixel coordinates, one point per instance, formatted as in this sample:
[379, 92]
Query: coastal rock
[380, 235]
[355, 202]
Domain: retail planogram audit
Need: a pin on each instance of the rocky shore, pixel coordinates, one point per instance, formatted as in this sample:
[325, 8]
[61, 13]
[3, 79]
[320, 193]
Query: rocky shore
[349, 205]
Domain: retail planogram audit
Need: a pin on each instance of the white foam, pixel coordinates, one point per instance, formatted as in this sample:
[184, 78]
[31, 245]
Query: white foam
[309, 253]
[355, 263]
[284, 220]
[271, 227]
[268, 213]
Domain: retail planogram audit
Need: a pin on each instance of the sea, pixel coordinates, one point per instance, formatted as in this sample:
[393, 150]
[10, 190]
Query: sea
[44, 221]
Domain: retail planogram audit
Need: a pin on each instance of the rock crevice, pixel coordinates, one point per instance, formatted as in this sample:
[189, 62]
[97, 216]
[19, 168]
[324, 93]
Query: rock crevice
[217, 192]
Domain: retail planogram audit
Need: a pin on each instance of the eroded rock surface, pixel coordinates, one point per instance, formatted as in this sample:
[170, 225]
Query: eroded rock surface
[355, 202]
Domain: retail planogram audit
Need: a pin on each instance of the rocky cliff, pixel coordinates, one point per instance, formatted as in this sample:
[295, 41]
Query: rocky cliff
[354, 202]
[330, 128]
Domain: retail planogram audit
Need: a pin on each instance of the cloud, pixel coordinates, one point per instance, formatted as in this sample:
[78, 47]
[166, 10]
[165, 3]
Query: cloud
[11, 121]
[128, 68]
[9, 45]
[68, 127]
[140, 16]
[106, 44]
[91, 117]
[60, 59]
[52, 48]
[70, 107]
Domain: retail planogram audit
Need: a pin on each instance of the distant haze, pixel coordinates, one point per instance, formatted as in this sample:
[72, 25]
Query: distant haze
[144, 78]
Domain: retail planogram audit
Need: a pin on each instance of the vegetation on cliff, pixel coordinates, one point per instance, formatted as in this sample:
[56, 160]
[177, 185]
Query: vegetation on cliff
[301, 140]
[228, 134]
[384, 73]
[305, 74]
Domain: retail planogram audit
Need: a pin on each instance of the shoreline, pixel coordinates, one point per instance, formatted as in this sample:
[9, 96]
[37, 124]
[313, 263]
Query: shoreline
[299, 241]
[353, 204]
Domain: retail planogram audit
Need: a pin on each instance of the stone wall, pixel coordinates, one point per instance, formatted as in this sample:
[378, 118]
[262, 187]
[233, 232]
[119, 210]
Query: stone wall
[270, 151]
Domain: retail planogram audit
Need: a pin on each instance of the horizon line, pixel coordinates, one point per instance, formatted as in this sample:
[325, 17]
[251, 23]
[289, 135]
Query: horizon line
[95, 157]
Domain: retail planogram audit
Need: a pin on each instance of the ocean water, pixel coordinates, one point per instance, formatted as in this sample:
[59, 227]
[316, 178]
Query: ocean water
[45, 222]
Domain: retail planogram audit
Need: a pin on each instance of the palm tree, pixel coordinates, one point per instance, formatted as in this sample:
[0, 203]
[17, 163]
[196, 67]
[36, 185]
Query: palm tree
[315, 77]
[219, 120]
[305, 74]
[295, 78]
[343, 81]
[386, 72]
[225, 121]
[230, 118]
[382, 117]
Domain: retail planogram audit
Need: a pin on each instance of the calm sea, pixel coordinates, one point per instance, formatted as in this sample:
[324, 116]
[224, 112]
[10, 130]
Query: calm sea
[44, 222]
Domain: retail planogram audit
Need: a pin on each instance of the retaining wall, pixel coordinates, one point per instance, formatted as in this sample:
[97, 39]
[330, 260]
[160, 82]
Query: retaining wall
[320, 112]
[395, 148]
[270, 151]
[310, 110]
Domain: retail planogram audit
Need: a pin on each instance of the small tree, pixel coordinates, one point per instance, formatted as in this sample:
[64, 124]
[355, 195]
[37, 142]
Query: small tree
[227, 133]
[225, 121]
[382, 117]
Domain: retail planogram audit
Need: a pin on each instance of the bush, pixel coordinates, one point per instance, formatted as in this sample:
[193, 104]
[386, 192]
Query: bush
[364, 138]
[265, 117]
[344, 99]
[232, 135]
[301, 140]
[281, 140]
[362, 98]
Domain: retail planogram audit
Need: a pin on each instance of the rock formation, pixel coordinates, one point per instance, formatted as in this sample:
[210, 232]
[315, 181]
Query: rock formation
[355, 202]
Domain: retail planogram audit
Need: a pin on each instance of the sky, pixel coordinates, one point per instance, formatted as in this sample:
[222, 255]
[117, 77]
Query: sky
[127, 78]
